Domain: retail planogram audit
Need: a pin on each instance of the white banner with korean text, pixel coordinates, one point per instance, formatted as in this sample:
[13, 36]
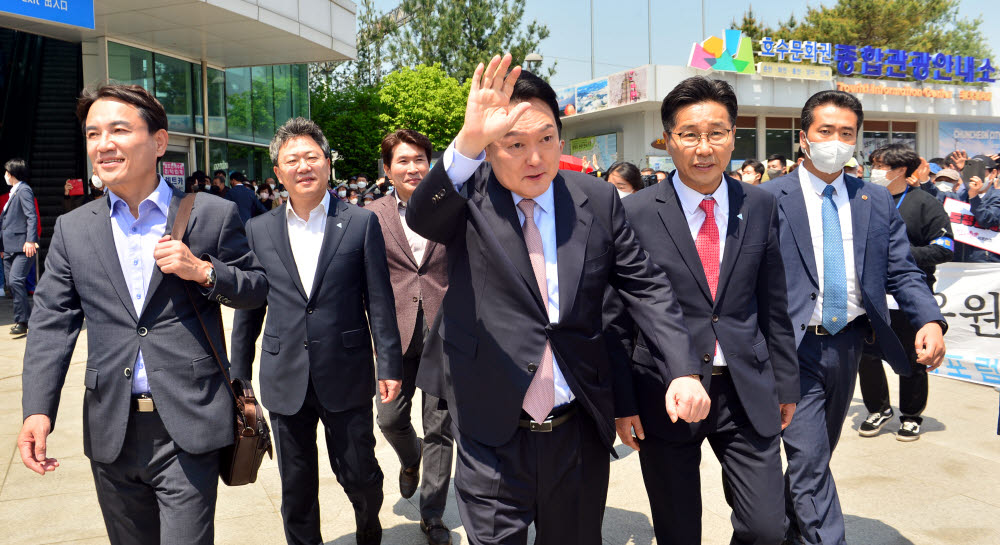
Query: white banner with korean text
[969, 297]
[965, 229]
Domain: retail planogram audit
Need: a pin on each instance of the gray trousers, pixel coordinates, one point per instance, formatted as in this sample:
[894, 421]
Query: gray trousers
[154, 492]
[15, 271]
[394, 421]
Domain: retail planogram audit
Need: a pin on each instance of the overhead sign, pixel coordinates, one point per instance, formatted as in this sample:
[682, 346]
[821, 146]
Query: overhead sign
[795, 71]
[734, 54]
[68, 12]
[877, 62]
[974, 138]
[909, 91]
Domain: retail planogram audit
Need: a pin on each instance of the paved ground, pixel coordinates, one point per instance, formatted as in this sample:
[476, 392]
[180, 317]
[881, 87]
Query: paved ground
[942, 489]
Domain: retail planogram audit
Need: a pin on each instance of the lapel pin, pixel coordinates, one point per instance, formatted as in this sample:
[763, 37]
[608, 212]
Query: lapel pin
[864, 197]
[740, 215]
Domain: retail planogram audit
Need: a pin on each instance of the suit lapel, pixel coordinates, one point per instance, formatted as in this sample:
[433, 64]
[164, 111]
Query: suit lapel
[277, 229]
[107, 253]
[157, 276]
[336, 226]
[734, 234]
[502, 218]
[390, 219]
[674, 220]
[573, 223]
[861, 211]
[793, 204]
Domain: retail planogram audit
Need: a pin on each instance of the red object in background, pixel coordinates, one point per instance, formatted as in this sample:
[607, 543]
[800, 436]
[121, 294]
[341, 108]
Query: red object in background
[77, 187]
[3, 201]
[568, 162]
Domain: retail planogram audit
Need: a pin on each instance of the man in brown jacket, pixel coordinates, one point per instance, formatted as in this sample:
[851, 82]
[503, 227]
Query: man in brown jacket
[418, 271]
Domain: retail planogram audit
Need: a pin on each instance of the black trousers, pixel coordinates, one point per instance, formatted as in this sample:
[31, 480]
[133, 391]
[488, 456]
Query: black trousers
[350, 441]
[751, 467]
[558, 480]
[15, 271]
[912, 389]
[154, 492]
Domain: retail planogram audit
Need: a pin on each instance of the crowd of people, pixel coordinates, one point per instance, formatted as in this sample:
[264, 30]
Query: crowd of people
[539, 312]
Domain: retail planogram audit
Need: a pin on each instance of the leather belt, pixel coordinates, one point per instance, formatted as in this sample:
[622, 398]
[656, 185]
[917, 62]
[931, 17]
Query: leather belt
[143, 403]
[558, 417]
[855, 323]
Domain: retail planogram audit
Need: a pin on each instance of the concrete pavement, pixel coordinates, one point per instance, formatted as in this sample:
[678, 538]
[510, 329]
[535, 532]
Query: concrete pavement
[942, 489]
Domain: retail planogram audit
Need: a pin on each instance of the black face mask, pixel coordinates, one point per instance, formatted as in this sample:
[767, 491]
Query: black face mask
[773, 173]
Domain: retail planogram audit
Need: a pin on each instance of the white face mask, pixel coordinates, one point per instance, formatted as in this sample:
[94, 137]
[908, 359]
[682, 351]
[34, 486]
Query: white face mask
[271, 185]
[342, 194]
[207, 187]
[354, 200]
[96, 182]
[362, 185]
[622, 194]
[749, 178]
[880, 177]
[7, 178]
[829, 157]
[945, 186]
[353, 186]
[284, 194]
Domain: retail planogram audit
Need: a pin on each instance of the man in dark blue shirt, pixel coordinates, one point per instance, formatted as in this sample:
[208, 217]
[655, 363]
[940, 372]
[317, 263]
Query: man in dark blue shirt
[246, 200]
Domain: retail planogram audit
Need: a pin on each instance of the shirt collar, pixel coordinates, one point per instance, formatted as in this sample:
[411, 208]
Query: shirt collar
[324, 204]
[160, 197]
[817, 185]
[399, 202]
[545, 201]
[691, 199]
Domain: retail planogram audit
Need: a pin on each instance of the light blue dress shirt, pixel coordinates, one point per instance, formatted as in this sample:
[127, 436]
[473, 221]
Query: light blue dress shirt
[135, 239]
[460, 169]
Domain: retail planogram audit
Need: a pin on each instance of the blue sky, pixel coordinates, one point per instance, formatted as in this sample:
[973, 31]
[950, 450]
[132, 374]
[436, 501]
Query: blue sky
[621, 35]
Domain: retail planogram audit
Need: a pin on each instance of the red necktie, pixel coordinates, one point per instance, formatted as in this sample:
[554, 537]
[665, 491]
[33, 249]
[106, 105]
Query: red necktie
[540, 397]
[707, 243]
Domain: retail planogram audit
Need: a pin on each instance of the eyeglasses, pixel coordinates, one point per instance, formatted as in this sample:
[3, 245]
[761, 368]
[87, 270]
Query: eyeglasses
[690, 139]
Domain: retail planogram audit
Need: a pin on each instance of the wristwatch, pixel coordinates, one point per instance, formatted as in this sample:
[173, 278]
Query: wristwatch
[210, 277]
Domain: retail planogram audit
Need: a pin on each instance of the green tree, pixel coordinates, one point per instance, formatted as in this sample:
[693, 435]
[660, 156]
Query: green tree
[916, 25]
[459, 34]
[373, 30]
[424, 99]
[349, 117]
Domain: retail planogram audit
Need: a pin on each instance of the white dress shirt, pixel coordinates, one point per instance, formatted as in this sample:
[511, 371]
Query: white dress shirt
[459, 169]
[135, 240]
[812, 192]
[306, 239]
[691, 204]
[417, 243]
[10, 195]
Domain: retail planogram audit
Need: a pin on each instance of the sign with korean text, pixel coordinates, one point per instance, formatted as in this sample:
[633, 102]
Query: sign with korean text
[173, 173]
[969, 297]
[68, 12]
[967, 230]
[795, 71]
[876, 62]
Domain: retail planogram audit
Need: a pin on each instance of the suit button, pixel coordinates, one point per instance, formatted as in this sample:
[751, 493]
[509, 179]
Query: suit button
[812, 296]
[532, 367]
[706, 358]
[802, 327]
[310, 310]
[143, 331]
[305, 345]
[128, 372]
[414, 299]
[715, 318]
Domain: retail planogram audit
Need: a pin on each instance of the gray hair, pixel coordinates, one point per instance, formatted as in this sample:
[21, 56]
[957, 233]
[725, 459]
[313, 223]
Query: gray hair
[294, 128]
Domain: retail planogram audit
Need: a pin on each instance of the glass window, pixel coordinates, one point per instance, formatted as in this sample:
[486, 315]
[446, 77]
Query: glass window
[240, 159]
[263, 103]
[199, 155]
[174, 90]
[779, 141]
[238, 103]
[300, 90]
[872, 140]
[262, 164]
[216, 103]
[130, 65]
[199, 118]
[282, 94]
[746, 144]
[218, 156]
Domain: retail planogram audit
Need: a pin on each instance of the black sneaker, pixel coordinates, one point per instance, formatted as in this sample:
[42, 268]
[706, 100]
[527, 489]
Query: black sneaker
[909, 430]
[19, 330]
[873, 424]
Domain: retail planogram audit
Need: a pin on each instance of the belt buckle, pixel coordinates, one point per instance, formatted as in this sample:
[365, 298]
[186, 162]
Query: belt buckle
[543, 427]
[820, 330]
[144, 404]
[717, 370]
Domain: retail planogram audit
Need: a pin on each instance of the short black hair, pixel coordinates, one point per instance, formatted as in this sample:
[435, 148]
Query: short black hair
[840, 99]
[757, 166]
[150, 110]
[529, 86]
[18, 168]
[695, 90]
[238, 176]
[777, 157]
[218, 173]
[897, 155]
[199, 176]
[628, 172]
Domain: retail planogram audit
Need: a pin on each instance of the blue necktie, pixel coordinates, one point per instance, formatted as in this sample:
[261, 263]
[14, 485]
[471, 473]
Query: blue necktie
[834, 276]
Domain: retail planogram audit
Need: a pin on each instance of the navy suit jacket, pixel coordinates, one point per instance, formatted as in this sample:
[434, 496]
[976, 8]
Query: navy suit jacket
[247, 203]
[487, 339]
[19, 221]
[324, 336]
[748, 317]
[882, 260]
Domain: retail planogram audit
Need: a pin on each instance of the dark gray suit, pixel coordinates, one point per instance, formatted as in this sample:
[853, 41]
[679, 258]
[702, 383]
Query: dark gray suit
[316, 359]
[194, 409]
[19, 224]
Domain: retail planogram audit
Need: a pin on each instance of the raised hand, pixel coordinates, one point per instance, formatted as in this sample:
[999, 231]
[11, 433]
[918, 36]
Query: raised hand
[959, 157]
[488, 112]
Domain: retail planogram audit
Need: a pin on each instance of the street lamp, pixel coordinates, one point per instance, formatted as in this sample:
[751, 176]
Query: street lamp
[533, 61]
